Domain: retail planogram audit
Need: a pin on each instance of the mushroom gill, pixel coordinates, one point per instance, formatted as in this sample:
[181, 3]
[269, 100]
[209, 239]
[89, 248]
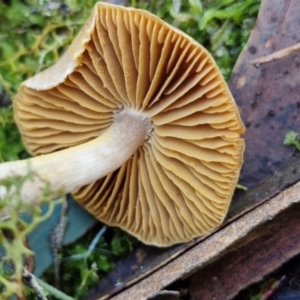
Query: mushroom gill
[179, 183]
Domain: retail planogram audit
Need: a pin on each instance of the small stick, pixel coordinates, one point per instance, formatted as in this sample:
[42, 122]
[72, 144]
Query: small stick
[57, 240]
[276, 55]
[241, 187]
[31, 281]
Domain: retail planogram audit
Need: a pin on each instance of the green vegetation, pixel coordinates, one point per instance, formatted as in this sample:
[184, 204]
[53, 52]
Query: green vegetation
[292, 139]
[222, 26]
[33, 35]
[89, 259]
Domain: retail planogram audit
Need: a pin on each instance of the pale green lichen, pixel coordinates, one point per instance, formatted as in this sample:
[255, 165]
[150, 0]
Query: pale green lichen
[14, 230]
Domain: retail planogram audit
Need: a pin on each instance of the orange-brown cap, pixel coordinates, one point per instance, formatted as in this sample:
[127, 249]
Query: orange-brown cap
[179, 183]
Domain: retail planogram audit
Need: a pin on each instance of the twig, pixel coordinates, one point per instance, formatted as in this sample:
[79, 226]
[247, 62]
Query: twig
[57, 240]
[241, 187]
[31, 281]
[276, 55]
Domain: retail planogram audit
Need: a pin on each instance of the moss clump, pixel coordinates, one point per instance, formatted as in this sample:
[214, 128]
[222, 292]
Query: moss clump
[87, 260]
[33, 35]
[291, 139]
[222, 26]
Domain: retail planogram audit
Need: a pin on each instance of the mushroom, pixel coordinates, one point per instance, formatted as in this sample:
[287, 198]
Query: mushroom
[135, 120]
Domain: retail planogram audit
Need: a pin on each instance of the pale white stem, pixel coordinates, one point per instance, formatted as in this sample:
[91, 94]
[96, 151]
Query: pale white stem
[70, 169]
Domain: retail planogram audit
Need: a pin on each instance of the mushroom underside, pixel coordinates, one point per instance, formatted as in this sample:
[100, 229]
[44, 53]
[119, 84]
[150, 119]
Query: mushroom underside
[179, 182]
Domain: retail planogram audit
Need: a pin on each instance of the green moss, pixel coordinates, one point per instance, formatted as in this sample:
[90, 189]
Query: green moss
[11, 147]
[86, 261]
[33, 35]
[222, 26]
[292, 139]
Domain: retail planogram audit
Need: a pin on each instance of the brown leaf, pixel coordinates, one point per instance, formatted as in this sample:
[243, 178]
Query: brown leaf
[269, 95]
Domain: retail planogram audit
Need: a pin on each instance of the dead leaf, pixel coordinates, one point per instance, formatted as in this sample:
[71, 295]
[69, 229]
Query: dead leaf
[269, 96]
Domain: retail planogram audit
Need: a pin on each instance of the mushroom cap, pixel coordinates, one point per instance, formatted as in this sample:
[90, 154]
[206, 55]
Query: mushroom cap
[179, 183]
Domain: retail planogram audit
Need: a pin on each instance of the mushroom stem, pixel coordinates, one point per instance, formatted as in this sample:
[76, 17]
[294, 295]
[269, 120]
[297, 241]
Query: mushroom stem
[70, 169]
